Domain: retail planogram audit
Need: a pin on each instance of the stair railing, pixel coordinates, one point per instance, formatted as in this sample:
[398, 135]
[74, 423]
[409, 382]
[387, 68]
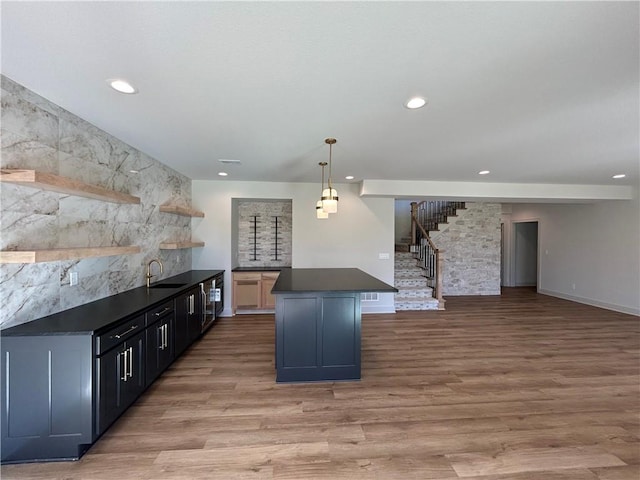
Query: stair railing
[430, 257]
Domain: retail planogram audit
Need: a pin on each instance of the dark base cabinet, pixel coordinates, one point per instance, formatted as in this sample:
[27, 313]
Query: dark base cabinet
[121, 379]
[45, 413]
[188, 319]
[160, 335]
[317, 337]
[67, 377]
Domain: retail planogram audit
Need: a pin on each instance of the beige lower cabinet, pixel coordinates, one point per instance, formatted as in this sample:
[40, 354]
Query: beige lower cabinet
[252, 291]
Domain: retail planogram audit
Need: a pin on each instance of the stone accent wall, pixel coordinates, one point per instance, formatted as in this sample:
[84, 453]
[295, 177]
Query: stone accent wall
[37, 134]
[471, 244]
[264, 254]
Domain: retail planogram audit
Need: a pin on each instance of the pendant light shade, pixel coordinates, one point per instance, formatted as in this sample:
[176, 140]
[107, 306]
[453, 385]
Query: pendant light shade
[320, 213]
[330, 200]
[330, 194]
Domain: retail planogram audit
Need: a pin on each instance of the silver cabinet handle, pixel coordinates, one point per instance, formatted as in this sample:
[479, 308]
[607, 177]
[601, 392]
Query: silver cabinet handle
[124, 364]
[130, 362]
[120, 335]
[161, 333]
[166, 309]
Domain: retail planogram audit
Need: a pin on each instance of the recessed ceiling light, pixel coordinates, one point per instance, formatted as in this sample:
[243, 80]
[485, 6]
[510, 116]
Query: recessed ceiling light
[484, 172]
[349, 177]
[223, 174]
[620, 175]
[134, 171]
[227, 161]
[122, 86]
[415, 102]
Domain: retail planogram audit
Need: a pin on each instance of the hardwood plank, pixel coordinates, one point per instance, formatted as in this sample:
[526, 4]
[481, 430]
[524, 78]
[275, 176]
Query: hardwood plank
[530, 460]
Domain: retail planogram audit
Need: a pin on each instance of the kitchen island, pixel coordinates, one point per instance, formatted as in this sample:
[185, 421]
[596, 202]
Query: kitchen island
[318, 320]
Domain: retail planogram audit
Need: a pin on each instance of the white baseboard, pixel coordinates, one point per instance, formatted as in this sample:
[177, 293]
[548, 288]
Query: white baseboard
[593, 303]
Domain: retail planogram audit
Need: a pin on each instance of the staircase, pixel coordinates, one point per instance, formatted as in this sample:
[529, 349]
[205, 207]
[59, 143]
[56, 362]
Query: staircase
[418, 262]
[409, 279]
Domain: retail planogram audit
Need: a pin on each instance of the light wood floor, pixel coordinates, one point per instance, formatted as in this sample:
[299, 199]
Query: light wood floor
[521, 386]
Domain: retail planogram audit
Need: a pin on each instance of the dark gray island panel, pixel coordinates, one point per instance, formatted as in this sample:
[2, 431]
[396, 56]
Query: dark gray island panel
[318, 323]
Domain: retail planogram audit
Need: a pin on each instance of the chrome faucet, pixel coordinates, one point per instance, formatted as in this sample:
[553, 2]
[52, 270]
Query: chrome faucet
[149, 276]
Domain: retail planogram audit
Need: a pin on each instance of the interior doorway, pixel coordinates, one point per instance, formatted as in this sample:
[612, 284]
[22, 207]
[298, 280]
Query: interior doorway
[525, 254]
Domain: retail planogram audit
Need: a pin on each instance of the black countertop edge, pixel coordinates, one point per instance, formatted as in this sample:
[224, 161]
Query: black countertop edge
[258, 269]
[307, 280]
[107, 312]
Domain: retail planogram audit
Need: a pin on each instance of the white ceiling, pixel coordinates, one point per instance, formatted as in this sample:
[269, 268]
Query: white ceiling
[535, 92]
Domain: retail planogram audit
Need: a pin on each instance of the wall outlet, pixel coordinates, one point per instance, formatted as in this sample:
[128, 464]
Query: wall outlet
[178, 258]
[73, 278]
[383, 256]
[573, 286]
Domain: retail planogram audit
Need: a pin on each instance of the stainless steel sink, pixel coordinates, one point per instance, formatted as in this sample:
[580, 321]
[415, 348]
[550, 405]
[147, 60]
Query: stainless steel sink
[168, 285]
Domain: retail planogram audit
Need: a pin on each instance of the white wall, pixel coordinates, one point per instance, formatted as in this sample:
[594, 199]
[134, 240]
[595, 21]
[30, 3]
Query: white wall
[362, 228]
[403, 219]
[589, 253]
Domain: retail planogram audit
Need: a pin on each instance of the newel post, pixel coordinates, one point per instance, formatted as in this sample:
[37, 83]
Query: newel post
[414, 215]
[439, 263]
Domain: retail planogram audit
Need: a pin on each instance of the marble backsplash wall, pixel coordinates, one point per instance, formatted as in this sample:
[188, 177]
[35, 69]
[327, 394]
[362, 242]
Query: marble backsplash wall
[37, 134]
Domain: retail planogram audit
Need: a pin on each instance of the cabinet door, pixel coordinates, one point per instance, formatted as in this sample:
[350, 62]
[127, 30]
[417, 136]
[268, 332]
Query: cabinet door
[246, 291]
[121, 379]
[268, 300]
[47, 407]
[188, 319]
[159, 347]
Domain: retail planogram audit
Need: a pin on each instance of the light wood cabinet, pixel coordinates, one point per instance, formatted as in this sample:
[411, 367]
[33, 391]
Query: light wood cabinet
[252, 291]
[268, 300]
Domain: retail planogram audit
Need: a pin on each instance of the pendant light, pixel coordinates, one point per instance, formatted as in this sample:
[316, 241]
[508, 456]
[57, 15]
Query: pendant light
[320, 213]
[330, 195]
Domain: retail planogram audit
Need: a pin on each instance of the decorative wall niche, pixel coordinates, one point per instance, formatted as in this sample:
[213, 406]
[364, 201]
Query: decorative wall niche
[261, 232]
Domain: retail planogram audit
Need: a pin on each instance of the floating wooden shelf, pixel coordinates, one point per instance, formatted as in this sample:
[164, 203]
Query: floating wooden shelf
[179, 245]
[55, 183]
[58, 254]
[184, 211]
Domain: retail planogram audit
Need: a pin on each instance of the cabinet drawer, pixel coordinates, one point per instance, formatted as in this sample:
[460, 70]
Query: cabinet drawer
[244, 276]
[157, 313]
[119, 334]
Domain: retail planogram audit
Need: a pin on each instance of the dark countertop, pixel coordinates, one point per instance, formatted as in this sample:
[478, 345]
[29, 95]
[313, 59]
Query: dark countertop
[300, 280]
[100, 315]
[258, 269]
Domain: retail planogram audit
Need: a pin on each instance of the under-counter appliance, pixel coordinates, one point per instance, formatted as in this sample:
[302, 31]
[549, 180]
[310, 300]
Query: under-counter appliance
[212, 301]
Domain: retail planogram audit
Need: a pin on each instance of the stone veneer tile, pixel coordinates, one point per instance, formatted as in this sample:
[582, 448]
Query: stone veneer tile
[265, 249]
[471, 244]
